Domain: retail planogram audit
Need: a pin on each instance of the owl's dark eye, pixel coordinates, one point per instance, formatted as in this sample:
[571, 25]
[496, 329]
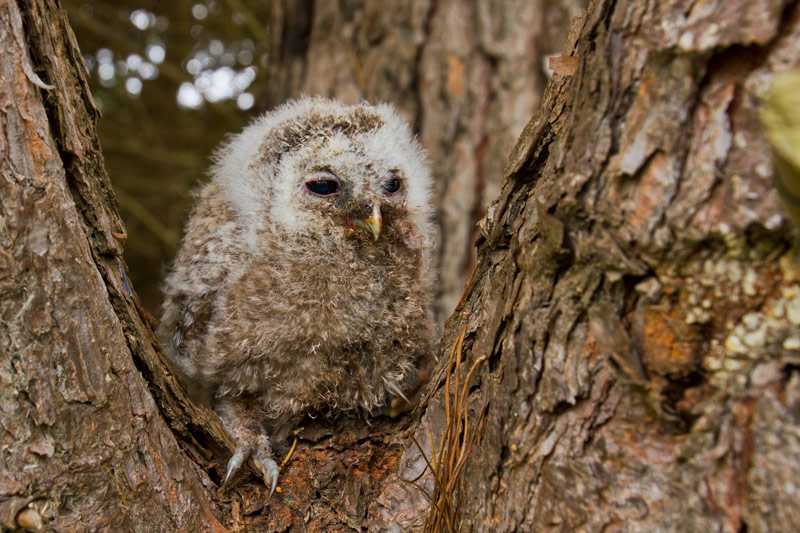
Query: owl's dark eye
[325, 187]
[391, 186]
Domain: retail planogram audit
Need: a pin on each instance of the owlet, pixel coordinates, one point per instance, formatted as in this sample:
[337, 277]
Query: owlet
[304, 281]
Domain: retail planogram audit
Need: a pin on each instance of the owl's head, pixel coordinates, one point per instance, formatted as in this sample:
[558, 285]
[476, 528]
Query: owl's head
[315, 166]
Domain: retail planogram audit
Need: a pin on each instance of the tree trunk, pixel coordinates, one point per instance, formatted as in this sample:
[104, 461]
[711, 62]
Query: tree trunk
[635, 290]
[97, 435]
[635, 297]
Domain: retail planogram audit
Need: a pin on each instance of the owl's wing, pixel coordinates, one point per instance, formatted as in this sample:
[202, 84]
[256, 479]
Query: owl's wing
[201, 268]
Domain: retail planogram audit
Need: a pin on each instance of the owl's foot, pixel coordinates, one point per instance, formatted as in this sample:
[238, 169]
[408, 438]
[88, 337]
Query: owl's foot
[265, 463]
[243, 422]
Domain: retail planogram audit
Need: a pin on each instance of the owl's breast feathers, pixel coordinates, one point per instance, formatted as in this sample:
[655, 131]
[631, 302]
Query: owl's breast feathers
[316, 319]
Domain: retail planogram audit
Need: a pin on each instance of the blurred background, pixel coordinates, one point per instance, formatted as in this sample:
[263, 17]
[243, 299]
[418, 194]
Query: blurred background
[171, 79]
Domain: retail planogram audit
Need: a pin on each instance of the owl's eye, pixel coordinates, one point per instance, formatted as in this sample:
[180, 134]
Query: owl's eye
[391, 186]
[324, 187]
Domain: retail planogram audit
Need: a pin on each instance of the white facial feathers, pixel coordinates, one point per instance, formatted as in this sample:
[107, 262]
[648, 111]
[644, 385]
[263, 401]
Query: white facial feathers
[262, 169]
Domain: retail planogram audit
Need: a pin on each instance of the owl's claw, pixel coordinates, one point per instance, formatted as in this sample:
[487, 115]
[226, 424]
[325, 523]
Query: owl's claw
[269, 469]
[395, 389]
[234, 464]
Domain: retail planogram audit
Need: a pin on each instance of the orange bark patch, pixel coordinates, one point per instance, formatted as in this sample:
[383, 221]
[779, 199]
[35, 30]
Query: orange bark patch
[311, 477]
[670, 345]
[455, 76]
[564, 65]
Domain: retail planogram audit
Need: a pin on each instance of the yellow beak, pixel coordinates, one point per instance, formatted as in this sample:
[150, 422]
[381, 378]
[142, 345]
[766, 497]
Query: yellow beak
[373, 223]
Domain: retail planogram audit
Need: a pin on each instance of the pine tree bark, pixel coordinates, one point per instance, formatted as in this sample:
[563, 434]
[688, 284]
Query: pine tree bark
[85, 441]
[636, 291]
[635, 294]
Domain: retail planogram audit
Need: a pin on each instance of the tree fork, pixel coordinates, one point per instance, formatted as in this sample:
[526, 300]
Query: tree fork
[635, 294]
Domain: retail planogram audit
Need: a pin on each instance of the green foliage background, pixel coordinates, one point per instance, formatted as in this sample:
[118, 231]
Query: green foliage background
[156, 150]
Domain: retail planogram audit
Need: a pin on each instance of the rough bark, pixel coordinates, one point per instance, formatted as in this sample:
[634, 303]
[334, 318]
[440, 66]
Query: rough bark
[86, 441]
[636, 291]
[635, 294]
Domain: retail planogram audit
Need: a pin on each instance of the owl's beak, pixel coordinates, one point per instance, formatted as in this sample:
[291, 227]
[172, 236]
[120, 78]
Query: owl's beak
[373, 223]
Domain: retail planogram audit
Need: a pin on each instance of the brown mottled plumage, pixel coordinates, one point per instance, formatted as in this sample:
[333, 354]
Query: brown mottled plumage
[304, 282]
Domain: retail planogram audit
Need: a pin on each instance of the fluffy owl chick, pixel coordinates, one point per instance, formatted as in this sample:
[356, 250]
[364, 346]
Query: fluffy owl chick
[304, 281]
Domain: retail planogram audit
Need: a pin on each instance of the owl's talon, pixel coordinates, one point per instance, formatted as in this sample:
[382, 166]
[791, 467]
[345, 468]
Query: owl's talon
[269, 469]
[394, 388]
[234, 464]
